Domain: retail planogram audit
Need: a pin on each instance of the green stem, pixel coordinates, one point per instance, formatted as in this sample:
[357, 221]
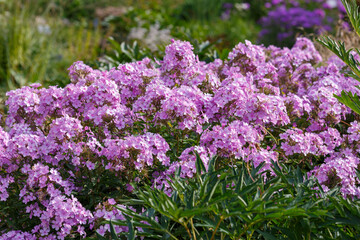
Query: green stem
[193, 228]
[171, 235]
[217, 226]
[187, 230]
[276, 141]
[248, 226]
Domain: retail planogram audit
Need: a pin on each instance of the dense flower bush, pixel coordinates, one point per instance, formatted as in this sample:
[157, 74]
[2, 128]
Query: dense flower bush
[67, 155]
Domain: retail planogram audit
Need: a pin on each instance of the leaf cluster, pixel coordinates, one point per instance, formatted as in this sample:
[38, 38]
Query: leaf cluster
[122, 53]
[240, 202]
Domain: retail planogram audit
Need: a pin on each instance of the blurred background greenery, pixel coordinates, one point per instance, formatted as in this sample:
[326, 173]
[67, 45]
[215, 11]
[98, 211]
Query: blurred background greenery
[40, 39]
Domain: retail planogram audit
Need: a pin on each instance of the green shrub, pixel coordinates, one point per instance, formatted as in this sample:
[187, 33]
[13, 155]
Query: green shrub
[239, 202]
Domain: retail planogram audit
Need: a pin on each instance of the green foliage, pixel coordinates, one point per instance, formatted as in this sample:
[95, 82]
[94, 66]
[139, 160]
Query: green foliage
[350, 100]
[189, 20]
[340, 50]
[257, 9]
[352, 10]
[121, 53]
[241, 203]
[23, 51]
[37, 47]
[203, 10]
[74, 10]
[346, 55]
[224, 34]
[77, 9]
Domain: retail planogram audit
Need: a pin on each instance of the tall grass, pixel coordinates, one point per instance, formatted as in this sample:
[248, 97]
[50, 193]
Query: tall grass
[24, 51]
[38, 47]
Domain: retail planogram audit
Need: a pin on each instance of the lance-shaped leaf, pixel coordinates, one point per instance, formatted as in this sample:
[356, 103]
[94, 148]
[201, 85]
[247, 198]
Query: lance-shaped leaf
[350, 100]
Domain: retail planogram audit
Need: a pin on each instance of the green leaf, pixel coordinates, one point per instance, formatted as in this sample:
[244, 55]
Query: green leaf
[211, 166]
[99, 237]
[208, 223]
[124, 223]
[350, 100]
[339, 49]
[113, 232]
[338, 206]
[195, 211]
[199, 165]
[352, 11]
[266, 235]
[131, 233]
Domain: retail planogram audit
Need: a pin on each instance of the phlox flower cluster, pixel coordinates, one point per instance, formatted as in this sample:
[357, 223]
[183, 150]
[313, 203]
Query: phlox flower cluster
[339, 170]
[67, 155]
[135, 151]
[110, 211]
[323, 143]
